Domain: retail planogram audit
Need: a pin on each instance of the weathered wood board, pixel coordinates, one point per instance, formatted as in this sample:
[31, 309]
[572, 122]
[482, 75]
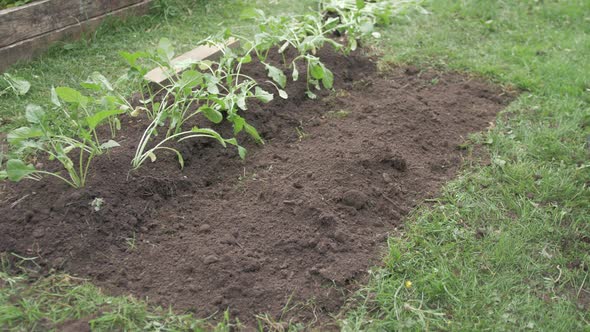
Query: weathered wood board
[27, 31]
[159, 76]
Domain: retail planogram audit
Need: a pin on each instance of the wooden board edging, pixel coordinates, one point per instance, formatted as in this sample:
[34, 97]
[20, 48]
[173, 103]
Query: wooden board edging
[158, 75]
[29, 48]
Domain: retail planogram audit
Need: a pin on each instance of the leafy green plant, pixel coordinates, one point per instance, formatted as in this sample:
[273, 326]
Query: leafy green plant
[358, 18]
[67, 133]
[214, 89]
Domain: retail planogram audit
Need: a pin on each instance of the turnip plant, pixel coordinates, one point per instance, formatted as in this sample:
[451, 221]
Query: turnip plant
[67, 133]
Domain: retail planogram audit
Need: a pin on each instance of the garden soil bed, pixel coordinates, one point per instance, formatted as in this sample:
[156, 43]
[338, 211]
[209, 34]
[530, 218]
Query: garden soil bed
[302, 219]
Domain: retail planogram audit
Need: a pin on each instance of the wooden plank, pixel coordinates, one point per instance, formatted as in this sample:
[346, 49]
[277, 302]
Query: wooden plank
[204, 52]
[37, 18]
[32, 47]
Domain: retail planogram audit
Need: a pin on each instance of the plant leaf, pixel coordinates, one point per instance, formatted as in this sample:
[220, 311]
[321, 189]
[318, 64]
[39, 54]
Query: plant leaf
[19, 85]
[109, 145]
[328, 80]
[253, 132]
[71, 96]
[283, 94]
[276, 75]
[94, 120]
[165, 49]
[317, 71]
[263, 95]
[23, 133]
[212, 114]
[17, 170]
[360, 4]
[34, 113]
[190, 79]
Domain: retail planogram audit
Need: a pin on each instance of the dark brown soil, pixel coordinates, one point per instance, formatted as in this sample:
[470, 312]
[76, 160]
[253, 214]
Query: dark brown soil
[302, 218]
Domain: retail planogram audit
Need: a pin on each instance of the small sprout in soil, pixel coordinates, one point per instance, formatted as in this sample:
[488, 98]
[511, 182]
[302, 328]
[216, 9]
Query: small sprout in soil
[131, 242]
[341, 114]
[301, 134]
[97, 204]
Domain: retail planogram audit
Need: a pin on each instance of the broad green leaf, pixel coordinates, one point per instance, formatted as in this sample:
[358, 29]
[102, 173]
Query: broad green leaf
[34, 113]
[109, 145]
[238, 123]
[263, 95]
[328, 80]
[360, 4]
[367, 27]
[317, 71]
[253, 132]
[165, 49]
[242, 152]
[19, 85]
[18, 135]
[212, 114]
[71, 96]
[246, 58]
[276, 75]
[190, 79]
[3, 175]
[241, 102]
[132, 58]
[90, 86]
[96, 119]
[212, 88]
[17, 170]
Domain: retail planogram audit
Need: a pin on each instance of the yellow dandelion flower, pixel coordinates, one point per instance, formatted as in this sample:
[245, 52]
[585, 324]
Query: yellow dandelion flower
[408, 284]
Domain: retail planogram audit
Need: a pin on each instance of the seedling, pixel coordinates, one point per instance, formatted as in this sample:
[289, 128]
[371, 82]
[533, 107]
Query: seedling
[67, 134]
[341, 114]
[97, 204]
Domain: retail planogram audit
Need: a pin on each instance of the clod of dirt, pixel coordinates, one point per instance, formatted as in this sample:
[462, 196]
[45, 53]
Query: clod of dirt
[327, 219]
[38, 233]
[396, 162]
[205, 228]
[210, 259]
[355, 199]
[340, 236]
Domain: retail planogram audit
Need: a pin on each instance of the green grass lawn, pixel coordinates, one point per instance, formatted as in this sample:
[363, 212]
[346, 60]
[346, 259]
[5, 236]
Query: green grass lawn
[507, 244]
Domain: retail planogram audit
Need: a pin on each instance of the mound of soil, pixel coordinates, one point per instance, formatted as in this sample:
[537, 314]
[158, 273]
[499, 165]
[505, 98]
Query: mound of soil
[299, 222]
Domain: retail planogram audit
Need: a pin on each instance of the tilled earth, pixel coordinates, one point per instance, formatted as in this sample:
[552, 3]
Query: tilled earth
[300, 221]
